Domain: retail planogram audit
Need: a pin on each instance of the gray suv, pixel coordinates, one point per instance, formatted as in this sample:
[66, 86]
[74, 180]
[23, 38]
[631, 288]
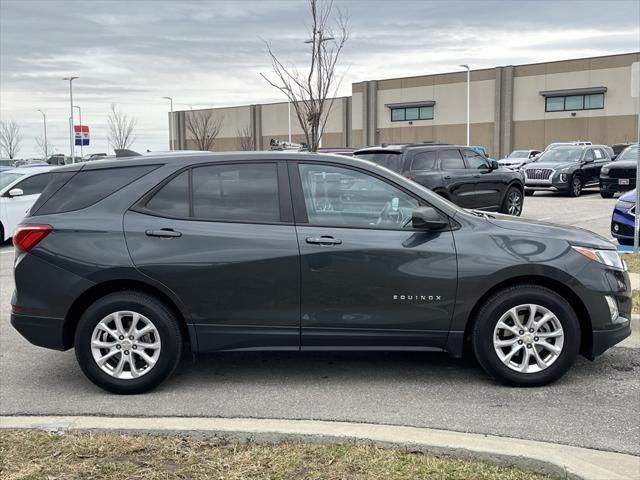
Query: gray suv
[131, 262]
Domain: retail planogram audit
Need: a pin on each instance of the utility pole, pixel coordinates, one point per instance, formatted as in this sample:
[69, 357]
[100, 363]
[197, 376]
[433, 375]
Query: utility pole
[81, 137]
[170, 122]
[468, 103]
[46, 145]
[71, 133]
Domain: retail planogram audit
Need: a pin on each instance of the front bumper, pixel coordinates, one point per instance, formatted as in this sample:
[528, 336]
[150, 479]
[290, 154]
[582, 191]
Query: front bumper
[45, 332]
[622, 224]
[608, 184]
[602, 340]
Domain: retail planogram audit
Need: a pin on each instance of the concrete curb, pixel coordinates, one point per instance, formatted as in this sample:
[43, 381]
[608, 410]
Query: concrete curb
[568, 461]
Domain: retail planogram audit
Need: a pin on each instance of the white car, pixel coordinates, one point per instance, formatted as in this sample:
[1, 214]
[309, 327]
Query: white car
[19, 190]
[518, 158]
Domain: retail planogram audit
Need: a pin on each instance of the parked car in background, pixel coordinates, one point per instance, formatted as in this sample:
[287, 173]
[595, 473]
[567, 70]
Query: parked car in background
[566, 169]
[519, 158]
[19, 189]
[620, 176]
[346, 151]
[336, 253]
[623, 218]
[457, 173]
[618, 148]
[6, 162]
[551, 146]
[58, 159]
[93, 156]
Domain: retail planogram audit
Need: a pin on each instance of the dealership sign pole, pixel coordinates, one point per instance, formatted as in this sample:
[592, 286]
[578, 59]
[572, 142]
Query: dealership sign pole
[635, 92]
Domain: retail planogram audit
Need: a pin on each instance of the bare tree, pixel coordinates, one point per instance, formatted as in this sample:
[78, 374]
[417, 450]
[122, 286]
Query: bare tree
[10, 138]
[120, 129]
[44, 149]
[204, 127]
[312, 92]
[245, 138]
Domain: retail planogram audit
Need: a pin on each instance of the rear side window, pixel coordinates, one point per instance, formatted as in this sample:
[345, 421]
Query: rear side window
[88, 187]
[172, 200]
[451, 160]
[424, 161]
[34, 185]
[56, 181]
[239, 192]
[391, 160]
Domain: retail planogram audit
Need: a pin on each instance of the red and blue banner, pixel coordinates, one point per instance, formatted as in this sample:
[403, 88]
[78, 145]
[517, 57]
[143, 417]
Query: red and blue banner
[81, 134]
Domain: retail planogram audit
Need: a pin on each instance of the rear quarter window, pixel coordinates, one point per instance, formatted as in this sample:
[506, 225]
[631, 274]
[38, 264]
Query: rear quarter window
[86, 187]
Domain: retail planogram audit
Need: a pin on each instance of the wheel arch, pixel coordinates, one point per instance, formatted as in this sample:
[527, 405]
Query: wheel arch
[100, 290]
[582, 313]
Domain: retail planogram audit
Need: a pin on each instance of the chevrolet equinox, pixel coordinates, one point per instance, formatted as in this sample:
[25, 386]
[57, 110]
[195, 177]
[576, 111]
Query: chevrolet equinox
[134, 261]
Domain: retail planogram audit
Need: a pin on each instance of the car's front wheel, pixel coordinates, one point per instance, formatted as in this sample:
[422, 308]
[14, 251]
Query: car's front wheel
[575, 189]
[513, 202]
[526, 336]
[128, 342]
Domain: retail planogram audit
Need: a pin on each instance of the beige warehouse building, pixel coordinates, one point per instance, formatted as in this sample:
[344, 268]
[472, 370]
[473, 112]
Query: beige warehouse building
[512, 107]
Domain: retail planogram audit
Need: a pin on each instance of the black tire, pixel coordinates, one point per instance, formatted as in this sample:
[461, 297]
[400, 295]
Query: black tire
[513, 202]
[500, 303]
[606, 194]
[165, 323]
[529, 193]
[575, 187]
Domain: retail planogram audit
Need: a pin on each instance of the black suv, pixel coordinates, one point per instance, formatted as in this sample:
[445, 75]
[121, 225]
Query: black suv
[132, 261]
[566, 169]
[456, 173]
[620, 175]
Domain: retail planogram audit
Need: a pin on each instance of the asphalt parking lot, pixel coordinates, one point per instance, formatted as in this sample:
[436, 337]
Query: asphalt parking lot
[595, 405]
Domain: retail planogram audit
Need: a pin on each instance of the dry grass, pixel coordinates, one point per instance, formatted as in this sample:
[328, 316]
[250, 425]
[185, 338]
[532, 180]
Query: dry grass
[633, 262]
[52, 456]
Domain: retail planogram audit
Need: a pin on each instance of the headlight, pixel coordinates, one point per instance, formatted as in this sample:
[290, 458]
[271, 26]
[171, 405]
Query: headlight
[605, 170]
[563, 177]
[625, 205]
[609, 258]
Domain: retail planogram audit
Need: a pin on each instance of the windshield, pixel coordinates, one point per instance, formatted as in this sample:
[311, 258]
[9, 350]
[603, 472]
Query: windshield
[8, 178]
[630, 153]
[561, 155]
[519, 154]
[390, 160]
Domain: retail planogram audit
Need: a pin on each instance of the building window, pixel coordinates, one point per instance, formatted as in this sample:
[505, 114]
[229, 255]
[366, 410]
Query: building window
[406, 114]
[593, 101]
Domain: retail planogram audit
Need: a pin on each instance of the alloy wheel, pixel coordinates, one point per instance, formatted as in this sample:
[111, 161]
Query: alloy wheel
[577, 186]
[528, 338]
[125, 345]
[514, 203]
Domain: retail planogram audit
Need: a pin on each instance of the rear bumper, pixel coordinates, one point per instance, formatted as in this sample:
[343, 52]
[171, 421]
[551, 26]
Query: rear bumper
[45, 332]
[605, 339]
[613, 185]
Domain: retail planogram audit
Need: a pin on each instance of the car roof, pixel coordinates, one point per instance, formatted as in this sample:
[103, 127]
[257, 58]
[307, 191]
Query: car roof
[399, 147]
[31, 170]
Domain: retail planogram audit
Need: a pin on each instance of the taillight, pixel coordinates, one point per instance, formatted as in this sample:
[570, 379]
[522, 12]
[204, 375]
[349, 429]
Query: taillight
[28, 236]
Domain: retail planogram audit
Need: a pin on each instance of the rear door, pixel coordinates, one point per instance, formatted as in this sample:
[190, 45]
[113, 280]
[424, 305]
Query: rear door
[459, 181]
[221, 237]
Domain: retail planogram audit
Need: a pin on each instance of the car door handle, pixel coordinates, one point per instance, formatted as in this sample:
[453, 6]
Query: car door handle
[477, 175]
[325, 240]
[447, 177]
[163, 233]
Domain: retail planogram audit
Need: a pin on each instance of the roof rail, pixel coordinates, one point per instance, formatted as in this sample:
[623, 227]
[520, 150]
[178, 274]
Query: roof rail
[123, 152]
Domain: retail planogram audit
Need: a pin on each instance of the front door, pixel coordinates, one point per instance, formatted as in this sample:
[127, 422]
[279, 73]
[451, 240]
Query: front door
[368, 279]
[457, 179]
[221, 238]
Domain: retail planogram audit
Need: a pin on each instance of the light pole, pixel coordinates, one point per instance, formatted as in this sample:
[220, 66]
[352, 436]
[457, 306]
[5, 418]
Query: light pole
[46, 145]
[81, 138]
[71, 148]
[468, 103]
[170, 121]
[319, 63]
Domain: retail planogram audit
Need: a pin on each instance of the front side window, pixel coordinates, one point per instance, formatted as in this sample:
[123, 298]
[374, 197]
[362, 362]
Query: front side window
[8, 178]
[34, 185]
[451, 160]
[474, 160]
[236, 192]
[336, 196]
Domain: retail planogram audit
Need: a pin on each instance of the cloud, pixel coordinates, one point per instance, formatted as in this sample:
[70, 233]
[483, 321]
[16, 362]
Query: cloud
[210, 53]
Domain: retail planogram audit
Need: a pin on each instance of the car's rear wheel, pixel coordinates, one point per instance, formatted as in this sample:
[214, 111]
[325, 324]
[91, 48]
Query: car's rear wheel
[513, 202]
[606, 194]
[526, 336]
[128, 342]
[575, 189]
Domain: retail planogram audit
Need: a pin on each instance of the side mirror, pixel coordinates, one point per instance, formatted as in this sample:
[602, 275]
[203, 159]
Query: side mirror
[428, 218]
[494, 164]
[16, 192]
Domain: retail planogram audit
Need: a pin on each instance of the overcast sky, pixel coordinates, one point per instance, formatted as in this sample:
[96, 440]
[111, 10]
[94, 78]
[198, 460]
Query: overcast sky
[210, 53]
